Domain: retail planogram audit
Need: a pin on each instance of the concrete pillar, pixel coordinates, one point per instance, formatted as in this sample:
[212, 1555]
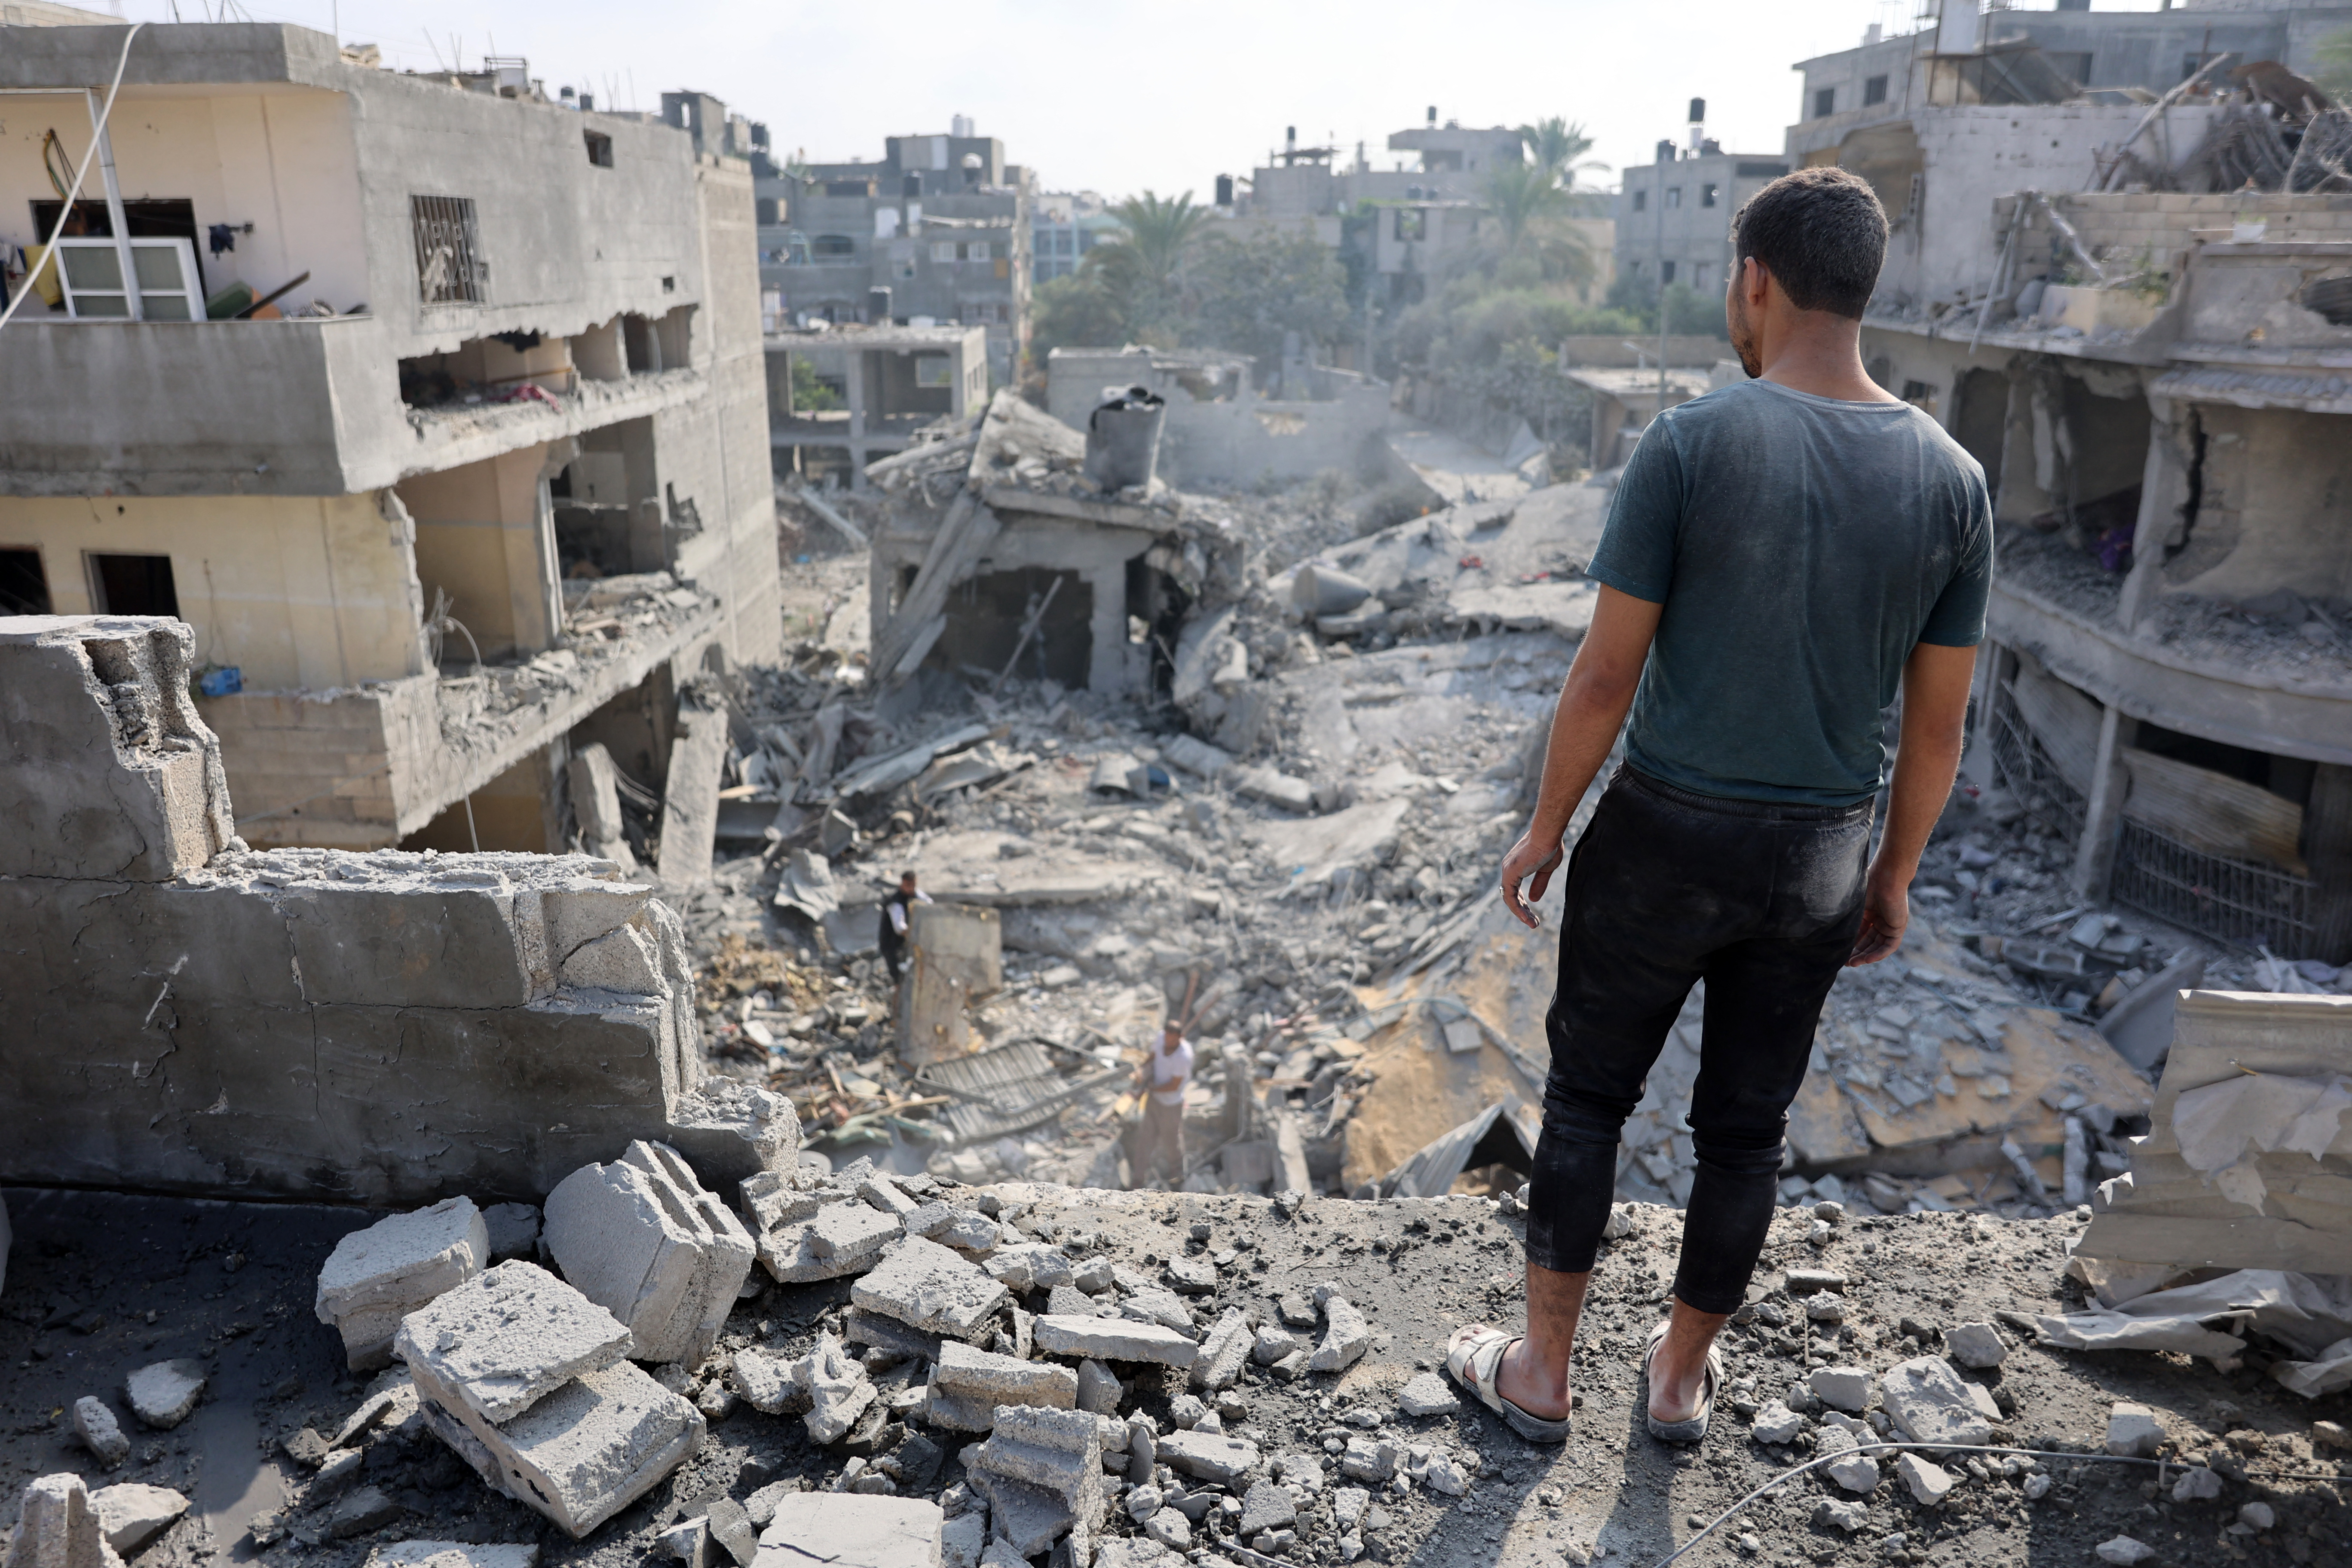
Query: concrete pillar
[854, 375]
[2163, 496]
[2095, 853]
[2328, 847]
[1995, 665]
[2023, 462]
[1107, 665]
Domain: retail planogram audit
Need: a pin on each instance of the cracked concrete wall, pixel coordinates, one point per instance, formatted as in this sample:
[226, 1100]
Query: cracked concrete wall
[190, 1015]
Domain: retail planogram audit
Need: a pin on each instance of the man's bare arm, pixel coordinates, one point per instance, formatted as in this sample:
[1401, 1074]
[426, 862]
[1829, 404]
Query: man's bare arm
[1935, 682]
[1592, 705]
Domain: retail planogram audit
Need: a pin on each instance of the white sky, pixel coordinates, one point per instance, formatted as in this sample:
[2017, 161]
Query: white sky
[1111, 96]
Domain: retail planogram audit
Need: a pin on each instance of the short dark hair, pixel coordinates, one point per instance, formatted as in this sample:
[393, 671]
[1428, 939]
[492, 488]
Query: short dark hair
[1821, 233]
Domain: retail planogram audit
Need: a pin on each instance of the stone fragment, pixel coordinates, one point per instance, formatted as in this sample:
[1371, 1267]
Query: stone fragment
[1845, 1387]
[1346, 1337]
[1223, 1352]
[378, 1276]
[1041, 1471]
[1930, 1483]
[370, 1508]
[837, 1387]
[767, 1383]
[1001, 1379]
[972, 1234]
[805, 1236]
[731, 1532]
[58, 1526]
[1855, 1472]
[931, 1288]
[131, 1514]
[1846, 1516]
[2037, 1487]
[455, 1554]
[1115, 1338]
[1027, 1266]
[1211, 1455]
[513, 1230]
[962, 1540]
[2124, 1551]
[1805, 1281]
[689, 1544]
[162, 1395]
[95, 1425]
[1297, 1310]
[1142, 1448]
[1443, 1473]
[1273, 1344]
[505, 1339]
[1192, 1275]
[2257, 1516]
[1368, 1460]
[306, 1448]
[1775, 1423]
[644, 1240]
[880, 1191]
[579, 1455]
[2330, 1435]
[849, 1531]
[1932, 1403]
[1427, 1394]
[2133, 1430]
[1098, 1387]
[1069, 1301]
[338, 1473]
[1824, 1309]
[1976, 1345]
[1135, 1553]
[2197, 1484]
[1170, 1529]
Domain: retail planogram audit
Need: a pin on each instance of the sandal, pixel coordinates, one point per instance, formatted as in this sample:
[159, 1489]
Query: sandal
[1692, 1430]
[1474, 1357]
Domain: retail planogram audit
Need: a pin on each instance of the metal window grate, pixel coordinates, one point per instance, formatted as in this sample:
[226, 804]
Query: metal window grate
[2025, 770]
[449, 266]
[2240, 900]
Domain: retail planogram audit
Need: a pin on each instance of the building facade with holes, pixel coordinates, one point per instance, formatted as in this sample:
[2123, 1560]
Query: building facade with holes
[484, 475]
[2158, 386]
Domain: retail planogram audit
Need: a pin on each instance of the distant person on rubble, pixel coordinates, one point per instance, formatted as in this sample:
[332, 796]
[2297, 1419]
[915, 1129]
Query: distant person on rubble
[896, 909]
[1167, 1075]
[1782, 555]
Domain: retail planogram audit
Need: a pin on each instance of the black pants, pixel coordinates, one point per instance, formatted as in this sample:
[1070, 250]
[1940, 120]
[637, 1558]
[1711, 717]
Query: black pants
[894, 952]
[1664, 888]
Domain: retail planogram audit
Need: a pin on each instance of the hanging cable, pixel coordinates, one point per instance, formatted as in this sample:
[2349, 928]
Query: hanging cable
[65, 211]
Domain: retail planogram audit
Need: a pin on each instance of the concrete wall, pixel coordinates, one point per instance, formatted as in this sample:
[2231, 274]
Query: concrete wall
[483, 538]
[387, 1029]
[1239, 438]
[296, 591]
[2269, 507]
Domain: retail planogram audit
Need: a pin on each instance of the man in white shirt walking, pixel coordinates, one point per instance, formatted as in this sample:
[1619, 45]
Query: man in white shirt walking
[896, 912]
[1168, 1073]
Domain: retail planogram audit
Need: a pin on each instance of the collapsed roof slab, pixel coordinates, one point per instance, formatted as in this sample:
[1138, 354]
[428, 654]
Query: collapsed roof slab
[382, 1029]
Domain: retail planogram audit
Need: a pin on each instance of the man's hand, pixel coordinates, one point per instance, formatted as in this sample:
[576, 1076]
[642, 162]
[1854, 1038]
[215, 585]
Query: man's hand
[1885, 913]
[1529, 858]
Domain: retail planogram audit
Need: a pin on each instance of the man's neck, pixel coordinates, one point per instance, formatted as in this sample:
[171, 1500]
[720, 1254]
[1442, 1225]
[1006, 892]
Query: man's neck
[1820, 354]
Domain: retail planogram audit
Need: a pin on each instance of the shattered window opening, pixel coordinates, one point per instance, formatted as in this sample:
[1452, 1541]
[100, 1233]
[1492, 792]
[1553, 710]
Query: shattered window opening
[449, 266]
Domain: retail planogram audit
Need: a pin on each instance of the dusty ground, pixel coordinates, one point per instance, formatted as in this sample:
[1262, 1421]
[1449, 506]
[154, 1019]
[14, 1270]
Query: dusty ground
[1417, 1269]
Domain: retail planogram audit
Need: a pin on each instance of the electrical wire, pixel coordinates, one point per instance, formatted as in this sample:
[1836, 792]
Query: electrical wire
[65, 209]
[1785, 1477]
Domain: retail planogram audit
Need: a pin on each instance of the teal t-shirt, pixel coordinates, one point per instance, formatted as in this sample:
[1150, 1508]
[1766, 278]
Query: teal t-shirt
[1801, 547]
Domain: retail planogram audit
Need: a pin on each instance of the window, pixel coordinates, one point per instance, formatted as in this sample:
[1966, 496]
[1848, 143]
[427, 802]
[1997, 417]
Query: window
[449, 267]
[1757, 169]
[1873, 90]
[943, 250]
[902, 259]
[934, 370]
[1641, 201]
[1412, 224]
[166, 271]
[1920, 395]
[833, 247]
[133, 586]
[600, 148]
[1698, 275]
[849, 187]
[1667, 272]
[1824, 102]
[976, 251]
[764, 211]
[24, 587]
[1674, 197]
[1706, 194]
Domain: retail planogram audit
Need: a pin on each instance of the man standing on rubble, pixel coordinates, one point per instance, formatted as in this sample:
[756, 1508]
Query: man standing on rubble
[1167, 1074]
[1781, 554]
[896, 912]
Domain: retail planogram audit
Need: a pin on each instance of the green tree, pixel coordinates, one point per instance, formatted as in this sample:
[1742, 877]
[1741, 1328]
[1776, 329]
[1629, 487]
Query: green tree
[1245, 295]
[1554, 145]
[1141, 269]
[1075, 312]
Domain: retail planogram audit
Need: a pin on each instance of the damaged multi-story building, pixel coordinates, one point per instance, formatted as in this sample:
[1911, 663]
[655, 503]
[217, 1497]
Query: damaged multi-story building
[938, 232]
[1673, 215]
[2136, 315]
[438, 414]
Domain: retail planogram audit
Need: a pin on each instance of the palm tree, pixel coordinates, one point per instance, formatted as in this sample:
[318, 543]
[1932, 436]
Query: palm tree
[1159, 231]
[1520, 195]
[1554, 145]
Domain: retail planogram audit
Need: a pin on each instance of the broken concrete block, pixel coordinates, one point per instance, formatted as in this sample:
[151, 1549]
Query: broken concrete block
[1272, 1345]
[506, 1339]
[806, 1236]
[390, 1406]
[1211, 1455]
[1427, 1394]
[1846, 1516]
[95, 1425]
[378, 1276]
[643, 1240]
[370, 1508]
[767, 1383]
[1805, 1281]
[1223, 1352]
[1170, 1529]
[887, 1333]
[1042, 1473]
[1977, 1345]
[1192, 1276]
[1855, 1472]
[1002, 1380]
[513, 1230]
[2134, 1430]
[1775, 1423]
[1115, 1338]
[931, 1288]
[163, 1395]
[2124, 1551]
[1268, 1506]
[1346, 1337]
[1154, 1305]
[455, 1554]
[1932, 1403]
[131, 1515]
[1142, 1448]
[846, 1530]
[837, 1387]
[1366, 1459]
[581, 1453]
[963, 1540]
[1842, 1387]
[1929, 1483]
[57, 1526]
[1098, 1387]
